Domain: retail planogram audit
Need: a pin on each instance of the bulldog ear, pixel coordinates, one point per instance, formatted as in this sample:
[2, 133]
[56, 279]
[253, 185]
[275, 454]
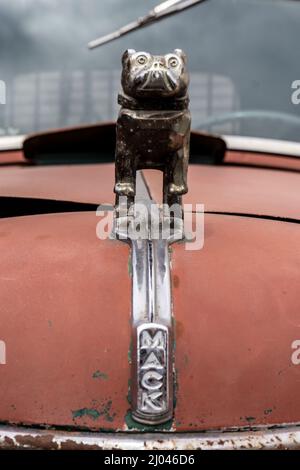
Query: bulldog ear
[181, 54]
[127, 54]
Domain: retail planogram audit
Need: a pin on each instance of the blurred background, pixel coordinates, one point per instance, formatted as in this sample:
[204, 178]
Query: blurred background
[243, 56]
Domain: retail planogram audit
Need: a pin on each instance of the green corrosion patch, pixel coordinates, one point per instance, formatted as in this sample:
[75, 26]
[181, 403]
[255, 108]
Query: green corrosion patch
[100, 375]
[95, 413]
[89, 412]
[249, 419]
[134, 426]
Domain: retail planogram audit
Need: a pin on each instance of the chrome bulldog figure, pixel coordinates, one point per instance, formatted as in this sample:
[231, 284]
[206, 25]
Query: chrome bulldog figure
[153, 126]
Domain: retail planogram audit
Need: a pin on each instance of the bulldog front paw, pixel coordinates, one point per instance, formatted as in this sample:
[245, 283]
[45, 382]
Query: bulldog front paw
[124, 189]
[177, 189]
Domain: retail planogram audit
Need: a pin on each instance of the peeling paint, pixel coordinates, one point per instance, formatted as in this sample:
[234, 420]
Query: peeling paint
[249, 419]
[176, 281]
[71, 445]
[29, 438]
[37, 442]
[100, 375]
[8, 443]
[94, 413]
[90, 412]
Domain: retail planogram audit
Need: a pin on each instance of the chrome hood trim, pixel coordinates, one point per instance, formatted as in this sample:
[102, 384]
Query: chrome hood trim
[264, 439]
[152, 362]
[259, 145]
[14, 142]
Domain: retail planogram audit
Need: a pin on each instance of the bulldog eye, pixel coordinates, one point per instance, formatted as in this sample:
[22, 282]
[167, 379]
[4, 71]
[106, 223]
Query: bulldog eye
[173, 62]
[142, 59]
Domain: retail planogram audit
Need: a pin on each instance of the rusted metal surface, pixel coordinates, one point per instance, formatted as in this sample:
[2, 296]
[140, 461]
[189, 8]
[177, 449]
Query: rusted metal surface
[78, 183]
[236, 305]
[263, 160]
[239, 190]
[11, 157]
[242, 190]
[65, 308]
[264, 439]
[256, 191]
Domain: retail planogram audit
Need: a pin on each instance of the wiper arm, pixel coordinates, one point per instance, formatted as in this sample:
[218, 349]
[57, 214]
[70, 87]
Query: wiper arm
[163, 10]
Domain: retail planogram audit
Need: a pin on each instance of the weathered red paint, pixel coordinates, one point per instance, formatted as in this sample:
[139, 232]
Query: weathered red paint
[237, 311]
[263, 160]
[65, 309]
[9, 157]
[240, 190]
[236, 306]
[65, 303]
[77, 183]
[219, 188]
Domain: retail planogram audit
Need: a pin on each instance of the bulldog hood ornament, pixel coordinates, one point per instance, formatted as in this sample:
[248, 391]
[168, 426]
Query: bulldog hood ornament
[153, 126]
[153, 130]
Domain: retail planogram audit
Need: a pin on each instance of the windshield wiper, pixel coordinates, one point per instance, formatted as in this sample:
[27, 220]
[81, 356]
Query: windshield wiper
[164, 9]
[161, 11]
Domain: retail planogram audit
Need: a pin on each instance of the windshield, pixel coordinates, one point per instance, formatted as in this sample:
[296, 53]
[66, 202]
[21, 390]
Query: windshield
[243, 58]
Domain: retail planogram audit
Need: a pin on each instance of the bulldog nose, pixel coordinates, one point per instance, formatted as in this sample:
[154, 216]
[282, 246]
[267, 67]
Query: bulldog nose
[158, 63]
[157, 66]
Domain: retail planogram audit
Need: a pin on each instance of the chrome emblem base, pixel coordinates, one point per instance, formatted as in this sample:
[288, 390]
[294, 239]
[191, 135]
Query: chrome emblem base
[152, 401]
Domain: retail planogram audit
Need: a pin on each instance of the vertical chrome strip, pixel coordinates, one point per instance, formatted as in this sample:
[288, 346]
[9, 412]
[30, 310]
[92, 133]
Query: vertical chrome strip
[152, 335]
[152, 380]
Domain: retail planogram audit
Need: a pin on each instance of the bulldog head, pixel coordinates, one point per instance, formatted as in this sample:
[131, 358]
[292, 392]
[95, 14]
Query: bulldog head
[154, 76]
